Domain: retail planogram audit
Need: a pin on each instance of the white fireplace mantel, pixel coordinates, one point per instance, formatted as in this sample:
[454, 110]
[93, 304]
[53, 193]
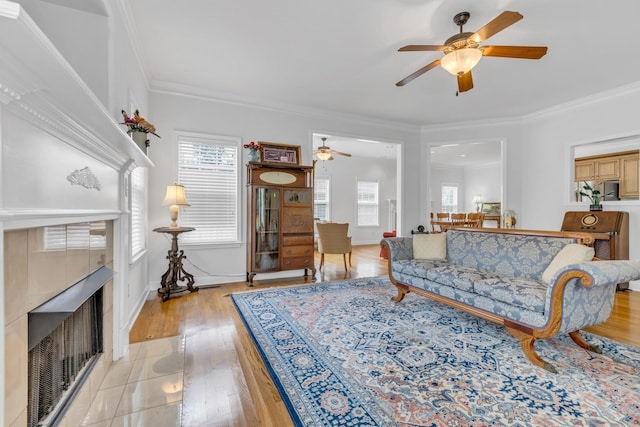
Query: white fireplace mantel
[39, 85]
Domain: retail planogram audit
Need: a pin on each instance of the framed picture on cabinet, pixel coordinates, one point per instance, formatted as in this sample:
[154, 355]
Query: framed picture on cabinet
[280, 153]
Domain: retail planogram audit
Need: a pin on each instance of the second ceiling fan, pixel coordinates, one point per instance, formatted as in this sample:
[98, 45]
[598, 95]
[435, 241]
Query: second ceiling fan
[324, 152]
[463, 51]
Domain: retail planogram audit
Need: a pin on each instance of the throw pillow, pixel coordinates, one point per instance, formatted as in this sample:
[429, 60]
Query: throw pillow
[430, 246]
[571, 254]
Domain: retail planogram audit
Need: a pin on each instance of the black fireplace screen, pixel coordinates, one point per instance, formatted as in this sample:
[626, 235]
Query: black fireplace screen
[56, 363]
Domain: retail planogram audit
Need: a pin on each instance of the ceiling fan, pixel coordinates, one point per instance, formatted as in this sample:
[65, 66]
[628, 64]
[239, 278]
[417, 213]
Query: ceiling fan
[462, 51]
[326, 153]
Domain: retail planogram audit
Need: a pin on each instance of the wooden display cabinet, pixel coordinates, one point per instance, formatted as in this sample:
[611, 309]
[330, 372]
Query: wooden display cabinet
[280, 219]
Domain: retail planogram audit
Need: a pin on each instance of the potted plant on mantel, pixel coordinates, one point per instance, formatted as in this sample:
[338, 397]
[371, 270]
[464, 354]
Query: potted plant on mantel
[139, 129]
[594, 195]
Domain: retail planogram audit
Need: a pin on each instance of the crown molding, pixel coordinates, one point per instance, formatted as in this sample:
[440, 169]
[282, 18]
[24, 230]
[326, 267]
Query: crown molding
[269, 105]
[583, 102]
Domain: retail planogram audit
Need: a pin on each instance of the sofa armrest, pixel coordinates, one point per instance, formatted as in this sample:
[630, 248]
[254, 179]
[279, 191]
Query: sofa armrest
[399, 248]
[601, 273]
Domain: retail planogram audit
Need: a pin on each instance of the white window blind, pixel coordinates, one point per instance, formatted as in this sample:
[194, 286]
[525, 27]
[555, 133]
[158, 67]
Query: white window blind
[321, 188]
[449, 200]
[367, 203]
[138, 233]
[208, 169]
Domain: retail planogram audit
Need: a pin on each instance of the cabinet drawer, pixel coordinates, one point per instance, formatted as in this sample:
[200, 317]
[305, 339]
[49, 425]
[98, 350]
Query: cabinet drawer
[297, 240]
[298, 262]
[295, 251]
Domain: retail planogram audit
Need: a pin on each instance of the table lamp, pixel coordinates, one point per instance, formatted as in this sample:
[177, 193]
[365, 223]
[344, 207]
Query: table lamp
[478, 201]
[174, 198]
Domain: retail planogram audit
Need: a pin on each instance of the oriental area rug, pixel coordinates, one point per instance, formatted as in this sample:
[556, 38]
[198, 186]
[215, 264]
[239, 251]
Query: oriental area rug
[343, 353]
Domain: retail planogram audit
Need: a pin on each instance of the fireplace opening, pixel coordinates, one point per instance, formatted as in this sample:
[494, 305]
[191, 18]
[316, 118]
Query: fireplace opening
[65, 340]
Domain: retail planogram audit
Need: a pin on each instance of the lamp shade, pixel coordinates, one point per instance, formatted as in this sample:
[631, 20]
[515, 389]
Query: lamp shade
[461, 61]
[175, 196]
[477, 199]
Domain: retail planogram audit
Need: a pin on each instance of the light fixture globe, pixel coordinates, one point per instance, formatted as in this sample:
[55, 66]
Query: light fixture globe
[461, 61]
[324, 154]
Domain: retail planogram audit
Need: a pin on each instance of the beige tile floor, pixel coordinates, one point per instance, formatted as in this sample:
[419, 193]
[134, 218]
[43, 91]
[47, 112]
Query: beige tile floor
[142, 389]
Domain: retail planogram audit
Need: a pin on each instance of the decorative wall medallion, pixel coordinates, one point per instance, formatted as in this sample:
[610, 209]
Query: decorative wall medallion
[84, 177]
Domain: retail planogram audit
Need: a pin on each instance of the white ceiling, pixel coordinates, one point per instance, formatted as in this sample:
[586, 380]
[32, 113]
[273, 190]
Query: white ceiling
[342, 56]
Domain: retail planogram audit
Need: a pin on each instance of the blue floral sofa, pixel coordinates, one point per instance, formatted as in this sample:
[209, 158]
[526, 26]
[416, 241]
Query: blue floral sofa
[497, 275]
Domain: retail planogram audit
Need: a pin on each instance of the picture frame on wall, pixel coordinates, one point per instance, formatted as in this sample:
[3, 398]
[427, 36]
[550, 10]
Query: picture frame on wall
[280, 153]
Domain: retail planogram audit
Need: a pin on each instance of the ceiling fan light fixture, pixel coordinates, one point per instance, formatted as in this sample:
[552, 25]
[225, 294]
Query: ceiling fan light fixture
[324, 155]
[461, 61]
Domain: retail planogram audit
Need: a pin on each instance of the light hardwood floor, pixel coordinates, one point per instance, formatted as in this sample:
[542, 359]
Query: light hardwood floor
[226, 382]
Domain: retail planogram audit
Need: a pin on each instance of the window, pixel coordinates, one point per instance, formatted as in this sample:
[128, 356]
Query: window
[138, 221]
[208, 169]
[367, 203]
[449, 198]
[321, 210]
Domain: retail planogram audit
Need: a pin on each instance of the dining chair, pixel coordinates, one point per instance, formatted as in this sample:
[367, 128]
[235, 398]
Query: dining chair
[333, 239]
[458, 219]
[475, 220]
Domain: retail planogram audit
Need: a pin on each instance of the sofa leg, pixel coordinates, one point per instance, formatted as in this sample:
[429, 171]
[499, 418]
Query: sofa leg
[578, 339]
[527, 345]
[400, 296]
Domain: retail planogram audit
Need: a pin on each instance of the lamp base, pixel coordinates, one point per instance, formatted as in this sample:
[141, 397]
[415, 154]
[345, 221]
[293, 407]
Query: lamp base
[173, 214]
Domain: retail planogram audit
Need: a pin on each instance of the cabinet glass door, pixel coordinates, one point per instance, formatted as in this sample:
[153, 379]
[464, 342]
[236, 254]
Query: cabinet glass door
[267, 216]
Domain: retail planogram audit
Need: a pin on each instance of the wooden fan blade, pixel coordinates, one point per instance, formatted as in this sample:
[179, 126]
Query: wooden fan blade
[418, 73]
[499, 23]
[342, 154]
[421, 47]
[524, 52]
[465, 82]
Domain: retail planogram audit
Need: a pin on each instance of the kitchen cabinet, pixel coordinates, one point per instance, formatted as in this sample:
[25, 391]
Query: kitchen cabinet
[629, 177]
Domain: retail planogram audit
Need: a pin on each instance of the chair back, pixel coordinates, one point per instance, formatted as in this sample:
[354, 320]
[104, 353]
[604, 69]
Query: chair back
[458, 218]
[333, 239]
[442, 215]
[475, 220]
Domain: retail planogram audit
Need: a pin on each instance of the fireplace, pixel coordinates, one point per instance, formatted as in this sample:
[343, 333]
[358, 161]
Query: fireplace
[60, 281]
[65, 338]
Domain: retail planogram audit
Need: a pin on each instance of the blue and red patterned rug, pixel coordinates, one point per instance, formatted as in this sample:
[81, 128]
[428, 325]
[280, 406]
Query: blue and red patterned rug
[343, 353]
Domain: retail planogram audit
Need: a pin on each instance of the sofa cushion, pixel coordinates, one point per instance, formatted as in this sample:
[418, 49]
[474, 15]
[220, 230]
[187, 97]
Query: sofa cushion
[430, 246]
[515, 255]
[524, 293]
[457, 276]
[570, 254]
[416, 267]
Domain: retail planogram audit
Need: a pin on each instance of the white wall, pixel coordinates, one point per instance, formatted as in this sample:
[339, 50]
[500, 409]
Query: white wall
[343, 173]
[485, 180]
[196, 114]
[445, 175]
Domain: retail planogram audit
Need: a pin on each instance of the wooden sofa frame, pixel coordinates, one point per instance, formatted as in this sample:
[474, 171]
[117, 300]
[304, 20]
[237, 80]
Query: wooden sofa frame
[526, 334]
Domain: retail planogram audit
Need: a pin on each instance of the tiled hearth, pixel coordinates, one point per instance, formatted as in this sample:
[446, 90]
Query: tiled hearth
[142, 389]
